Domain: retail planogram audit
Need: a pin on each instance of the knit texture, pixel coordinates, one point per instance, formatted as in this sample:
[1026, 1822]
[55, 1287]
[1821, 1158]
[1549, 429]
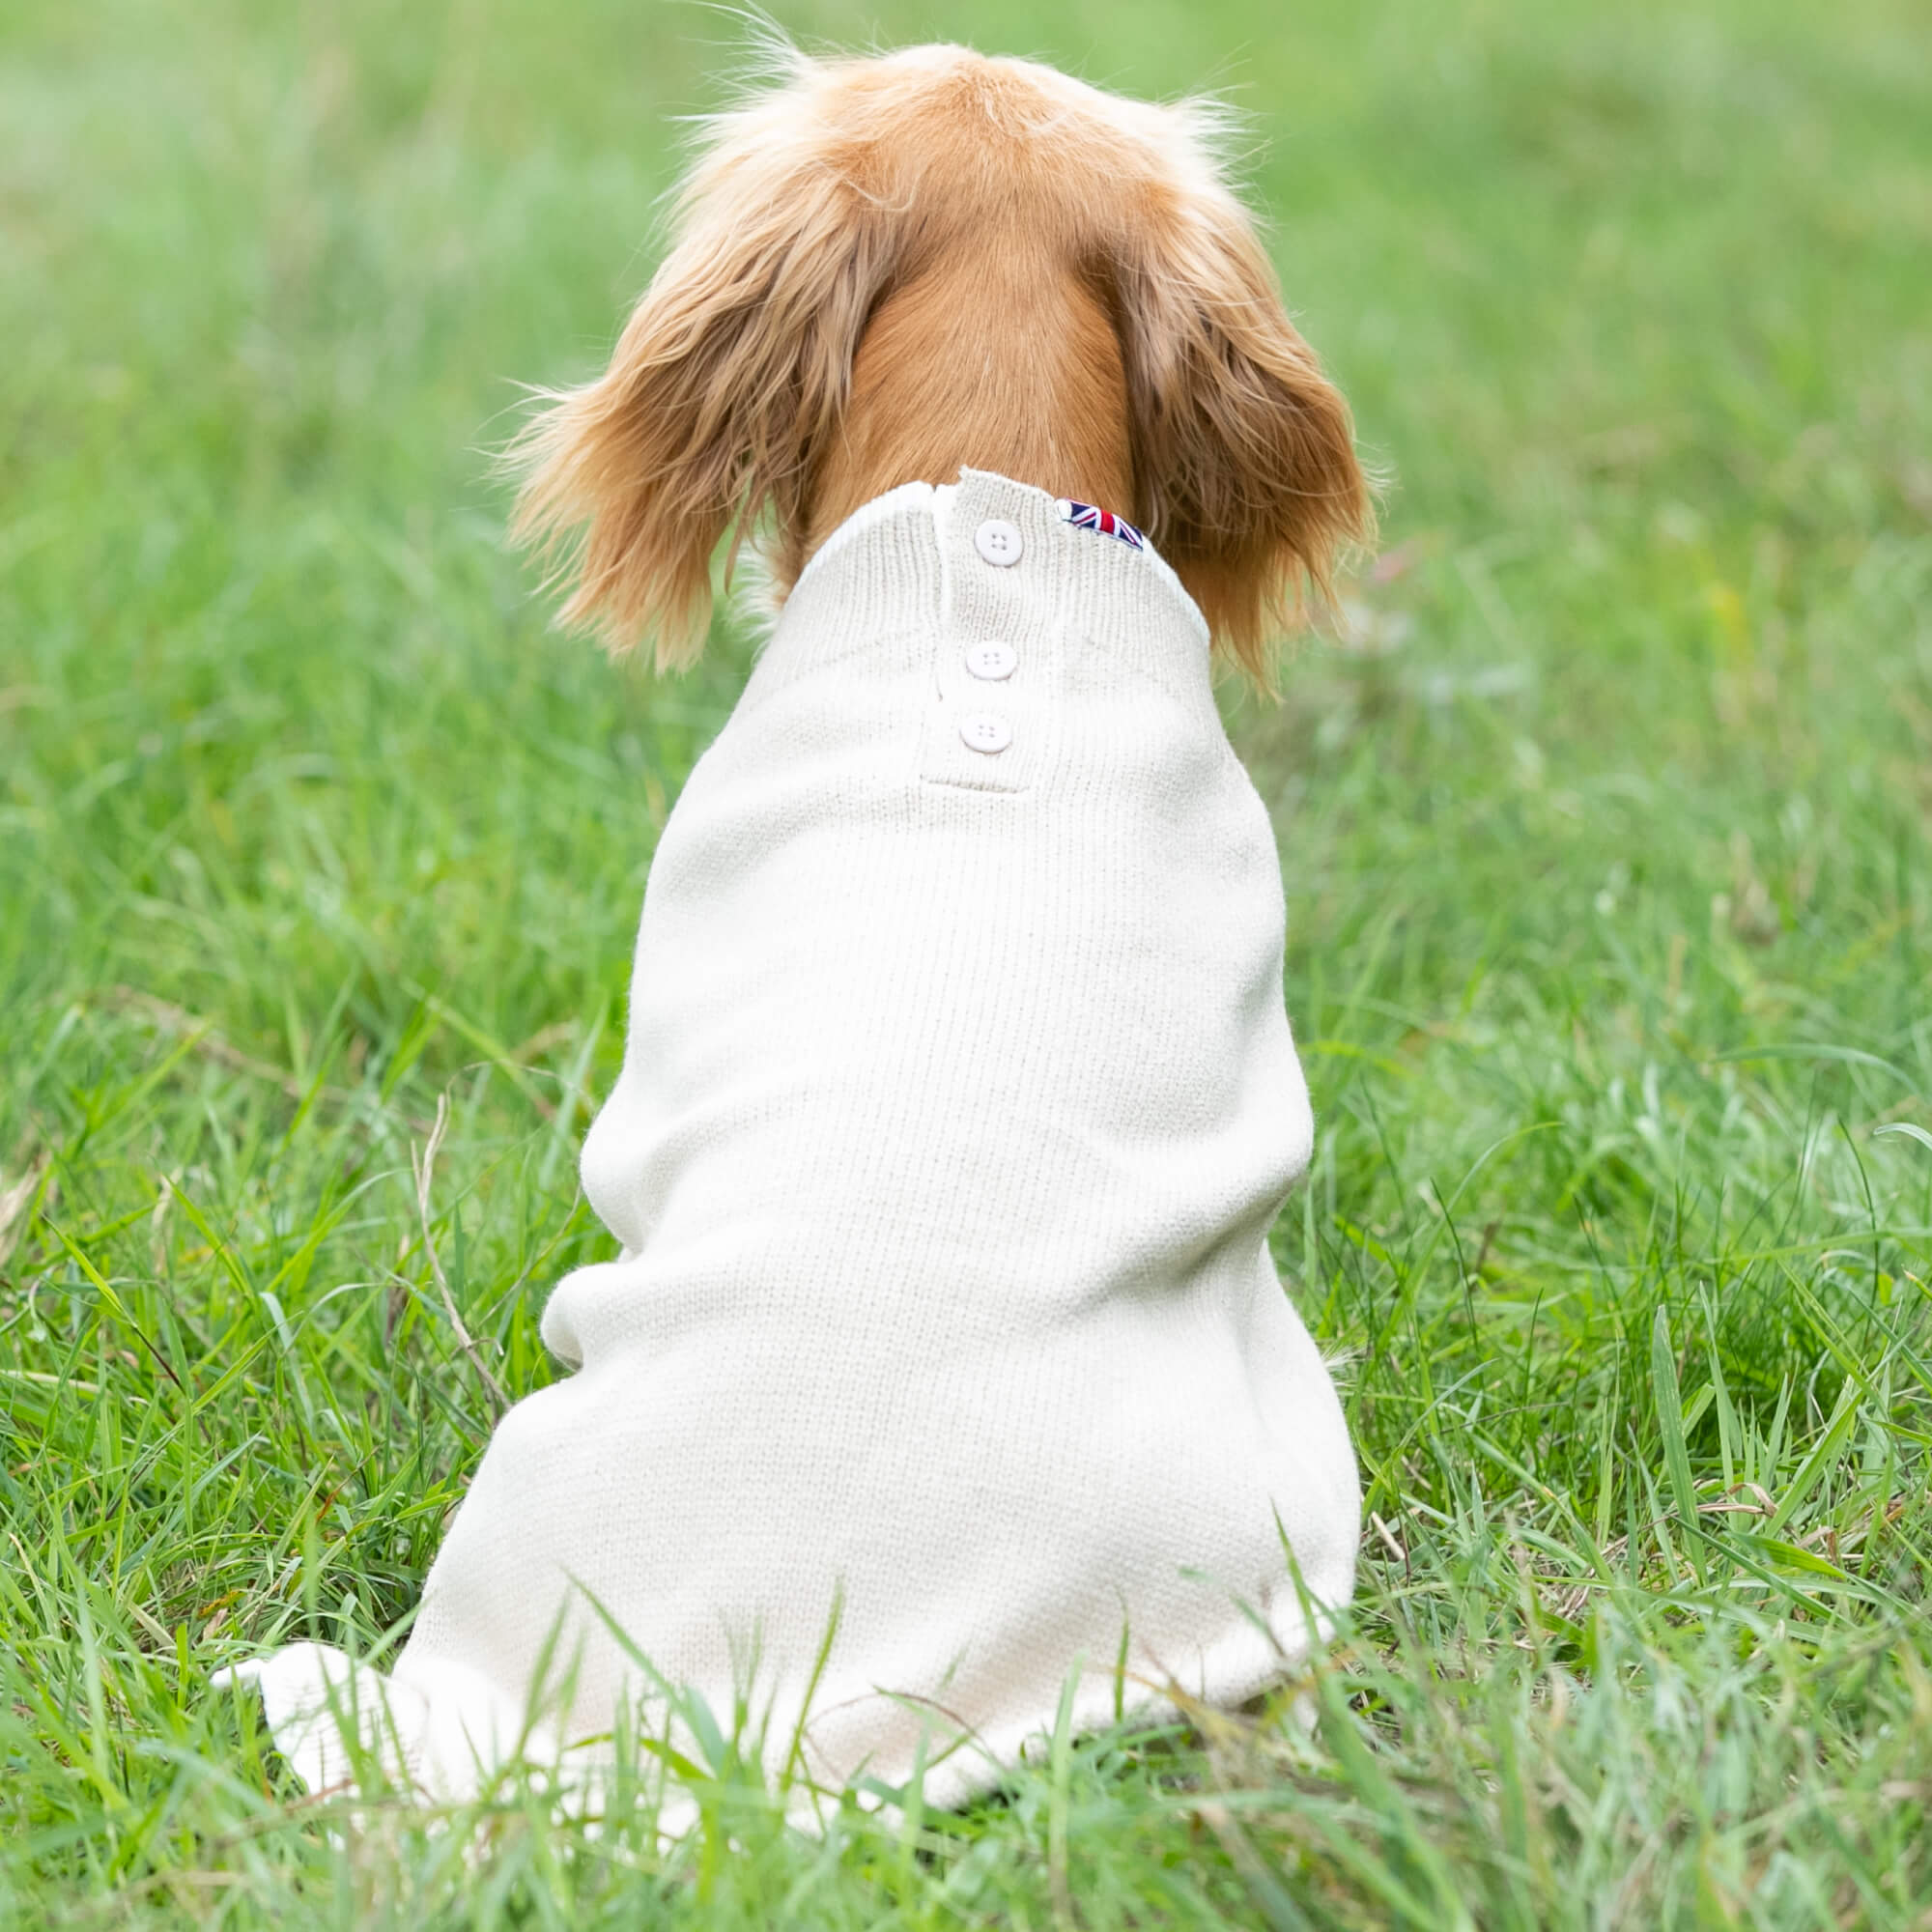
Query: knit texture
[957, 1099]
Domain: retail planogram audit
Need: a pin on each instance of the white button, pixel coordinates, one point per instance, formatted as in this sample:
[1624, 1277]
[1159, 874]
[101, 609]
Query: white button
[986, 733]
[998, 541]
[992, 661]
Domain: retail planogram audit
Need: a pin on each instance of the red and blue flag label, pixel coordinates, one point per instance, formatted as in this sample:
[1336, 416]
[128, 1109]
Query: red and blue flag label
[1091, 517]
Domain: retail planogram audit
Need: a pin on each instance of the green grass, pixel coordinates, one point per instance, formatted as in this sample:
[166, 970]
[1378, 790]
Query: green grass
[1610, 949]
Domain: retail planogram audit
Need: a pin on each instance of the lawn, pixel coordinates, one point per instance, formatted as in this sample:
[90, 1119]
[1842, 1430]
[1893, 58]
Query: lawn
[1604, 827]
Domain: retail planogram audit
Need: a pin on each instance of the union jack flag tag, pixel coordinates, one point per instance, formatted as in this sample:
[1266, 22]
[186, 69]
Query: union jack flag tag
[1091, 517]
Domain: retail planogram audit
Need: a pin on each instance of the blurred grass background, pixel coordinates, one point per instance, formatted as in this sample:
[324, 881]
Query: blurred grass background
[1604, 835]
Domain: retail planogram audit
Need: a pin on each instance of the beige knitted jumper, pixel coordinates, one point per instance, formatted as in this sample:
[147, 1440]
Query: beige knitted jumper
[957, 1100]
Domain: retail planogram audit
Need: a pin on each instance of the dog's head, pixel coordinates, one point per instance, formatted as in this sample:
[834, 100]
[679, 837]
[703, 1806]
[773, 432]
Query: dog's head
[886, 267]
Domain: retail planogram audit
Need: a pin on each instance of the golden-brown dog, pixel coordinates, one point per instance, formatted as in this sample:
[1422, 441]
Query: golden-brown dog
[889, 267]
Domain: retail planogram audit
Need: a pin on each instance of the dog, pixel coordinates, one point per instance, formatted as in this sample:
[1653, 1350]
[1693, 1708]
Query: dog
[944, 1367]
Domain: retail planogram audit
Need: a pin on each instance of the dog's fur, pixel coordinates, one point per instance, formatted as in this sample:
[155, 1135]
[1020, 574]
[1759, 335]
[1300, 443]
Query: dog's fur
[889, 267]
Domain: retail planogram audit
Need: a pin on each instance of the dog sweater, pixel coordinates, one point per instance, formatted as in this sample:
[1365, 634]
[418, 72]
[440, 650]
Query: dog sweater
[943, 1360]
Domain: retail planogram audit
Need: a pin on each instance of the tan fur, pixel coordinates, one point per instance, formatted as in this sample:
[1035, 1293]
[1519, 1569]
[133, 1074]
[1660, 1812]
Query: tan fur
[887, 267]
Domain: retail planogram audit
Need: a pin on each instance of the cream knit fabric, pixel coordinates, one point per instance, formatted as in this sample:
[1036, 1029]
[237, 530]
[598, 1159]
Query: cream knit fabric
[957, 1100]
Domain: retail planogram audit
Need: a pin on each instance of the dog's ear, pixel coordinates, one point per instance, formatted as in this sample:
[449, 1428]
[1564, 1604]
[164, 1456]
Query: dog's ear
[1244, 455]
[731, 372]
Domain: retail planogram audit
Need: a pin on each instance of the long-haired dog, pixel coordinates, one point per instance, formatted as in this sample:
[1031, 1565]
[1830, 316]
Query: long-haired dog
[959, 1096]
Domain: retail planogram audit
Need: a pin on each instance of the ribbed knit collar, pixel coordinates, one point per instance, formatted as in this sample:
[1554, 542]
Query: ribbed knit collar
[907, 560]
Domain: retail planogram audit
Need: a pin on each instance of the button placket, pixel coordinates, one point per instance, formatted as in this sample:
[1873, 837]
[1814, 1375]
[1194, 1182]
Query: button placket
[988, 726]
[1000, 543]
